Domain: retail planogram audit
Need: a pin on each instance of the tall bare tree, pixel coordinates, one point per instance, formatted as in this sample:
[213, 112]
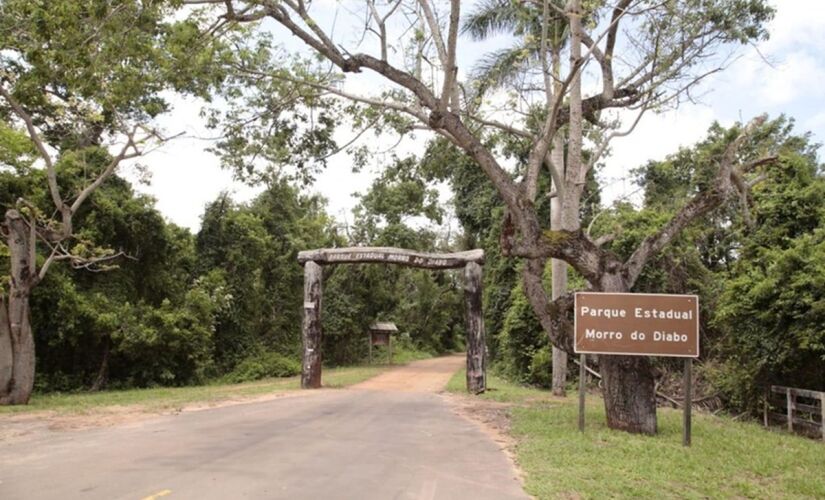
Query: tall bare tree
[540, 44]
[641, 55]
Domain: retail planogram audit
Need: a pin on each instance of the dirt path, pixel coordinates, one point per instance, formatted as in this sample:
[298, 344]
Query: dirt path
[429, 375]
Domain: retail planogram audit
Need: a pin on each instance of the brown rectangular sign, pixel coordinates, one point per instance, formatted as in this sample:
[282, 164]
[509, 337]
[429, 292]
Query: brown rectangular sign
[380, 338]
[636, 324]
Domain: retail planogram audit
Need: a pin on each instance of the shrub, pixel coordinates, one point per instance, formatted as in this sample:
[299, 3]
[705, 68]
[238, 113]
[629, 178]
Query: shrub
[263, 365]
[520, 339]
[541, 368]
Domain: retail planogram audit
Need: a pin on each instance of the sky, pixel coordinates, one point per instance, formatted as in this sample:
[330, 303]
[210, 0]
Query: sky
[785, 74]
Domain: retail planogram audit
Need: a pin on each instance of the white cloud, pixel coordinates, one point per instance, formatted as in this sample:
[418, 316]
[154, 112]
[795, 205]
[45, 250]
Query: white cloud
[656, 136]
[799, 75]
[184, 176]
[798, 23]
[815, 123]
[791, 64]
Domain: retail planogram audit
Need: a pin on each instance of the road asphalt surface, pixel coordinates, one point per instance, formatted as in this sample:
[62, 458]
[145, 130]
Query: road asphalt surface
[382, 439]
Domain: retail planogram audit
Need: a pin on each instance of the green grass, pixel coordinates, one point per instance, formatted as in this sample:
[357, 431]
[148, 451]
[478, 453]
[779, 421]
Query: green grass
[728, 459]
[158, 399]
[403, 355]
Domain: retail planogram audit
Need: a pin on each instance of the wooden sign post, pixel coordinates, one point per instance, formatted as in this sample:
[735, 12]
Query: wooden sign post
[688, 385]
[638, 324]
[582, 384]
[380, 334]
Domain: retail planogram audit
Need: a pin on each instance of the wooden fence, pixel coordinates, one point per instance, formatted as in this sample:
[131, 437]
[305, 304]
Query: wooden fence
[804, 410]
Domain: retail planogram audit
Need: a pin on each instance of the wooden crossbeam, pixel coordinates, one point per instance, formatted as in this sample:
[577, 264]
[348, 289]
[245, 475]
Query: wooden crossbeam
[390, 255]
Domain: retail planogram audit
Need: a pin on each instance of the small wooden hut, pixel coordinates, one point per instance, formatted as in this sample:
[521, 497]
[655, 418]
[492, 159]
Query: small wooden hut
[381, 334]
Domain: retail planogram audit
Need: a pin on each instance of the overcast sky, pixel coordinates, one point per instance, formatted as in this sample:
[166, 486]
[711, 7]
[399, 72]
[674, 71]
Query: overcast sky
[184, 177]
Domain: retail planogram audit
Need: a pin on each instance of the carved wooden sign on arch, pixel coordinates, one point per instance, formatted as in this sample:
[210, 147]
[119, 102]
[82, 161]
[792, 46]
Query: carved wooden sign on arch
[470, 260]
[389, 255]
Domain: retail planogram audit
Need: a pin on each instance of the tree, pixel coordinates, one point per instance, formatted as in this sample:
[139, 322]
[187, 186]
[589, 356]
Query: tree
[253, 249]
[84, 79]
[664, 54]
[509, 68]
[399, 209]
[770, 315]
[758, 267]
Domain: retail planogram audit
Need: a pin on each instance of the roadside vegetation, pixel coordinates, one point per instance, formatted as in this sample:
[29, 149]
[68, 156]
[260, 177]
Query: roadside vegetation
[223, 304]
[728, 458]
[166, 398]
[255, 376]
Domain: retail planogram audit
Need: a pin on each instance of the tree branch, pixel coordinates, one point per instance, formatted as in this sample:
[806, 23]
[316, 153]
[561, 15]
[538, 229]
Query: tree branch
[34, 135]
[699, 205]
[449, 92]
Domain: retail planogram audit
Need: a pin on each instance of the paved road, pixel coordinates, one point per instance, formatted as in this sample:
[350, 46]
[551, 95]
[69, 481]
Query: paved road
[364, 443]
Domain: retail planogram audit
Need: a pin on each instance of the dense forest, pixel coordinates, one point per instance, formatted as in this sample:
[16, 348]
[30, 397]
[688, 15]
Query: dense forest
[119, 297]
[180, 308]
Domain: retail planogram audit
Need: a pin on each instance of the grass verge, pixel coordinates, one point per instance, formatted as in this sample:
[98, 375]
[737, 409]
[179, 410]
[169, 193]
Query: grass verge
[401, 355]
[728, 459]
[158, 399]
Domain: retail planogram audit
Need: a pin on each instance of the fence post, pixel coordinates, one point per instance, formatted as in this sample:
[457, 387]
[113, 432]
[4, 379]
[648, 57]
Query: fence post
[789, 400]
[822, 413]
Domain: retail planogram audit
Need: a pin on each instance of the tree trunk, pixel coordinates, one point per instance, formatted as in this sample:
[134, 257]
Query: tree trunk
[565, 210]
[629, 386]
[311, 368]
[629, 393]
[16, 385]
[559, 288]
[6, 358]
[559, 268]
[103, 372]
[476, 347]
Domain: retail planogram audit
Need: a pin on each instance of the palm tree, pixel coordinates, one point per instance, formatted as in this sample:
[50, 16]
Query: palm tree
[505, 67]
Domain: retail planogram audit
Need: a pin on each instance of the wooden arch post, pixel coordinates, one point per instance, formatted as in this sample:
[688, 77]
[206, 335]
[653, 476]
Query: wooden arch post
[470, 260]
[311, 328]
[476, 347]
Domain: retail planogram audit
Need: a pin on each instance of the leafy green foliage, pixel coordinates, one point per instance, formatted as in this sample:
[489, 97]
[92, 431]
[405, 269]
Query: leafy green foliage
[400, 209]
[83, 68]
[480, 212]
[524, 21]
[400, 193]
[178, 309]
[522, 343]
[773, 306]
[255, 248]
[147, 322]
[759, 283]
[16, 150]
[268, 121]
[264, 365]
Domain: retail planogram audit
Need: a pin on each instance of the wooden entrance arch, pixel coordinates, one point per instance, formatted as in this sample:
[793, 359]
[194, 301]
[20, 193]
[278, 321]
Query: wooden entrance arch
[471, 261]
